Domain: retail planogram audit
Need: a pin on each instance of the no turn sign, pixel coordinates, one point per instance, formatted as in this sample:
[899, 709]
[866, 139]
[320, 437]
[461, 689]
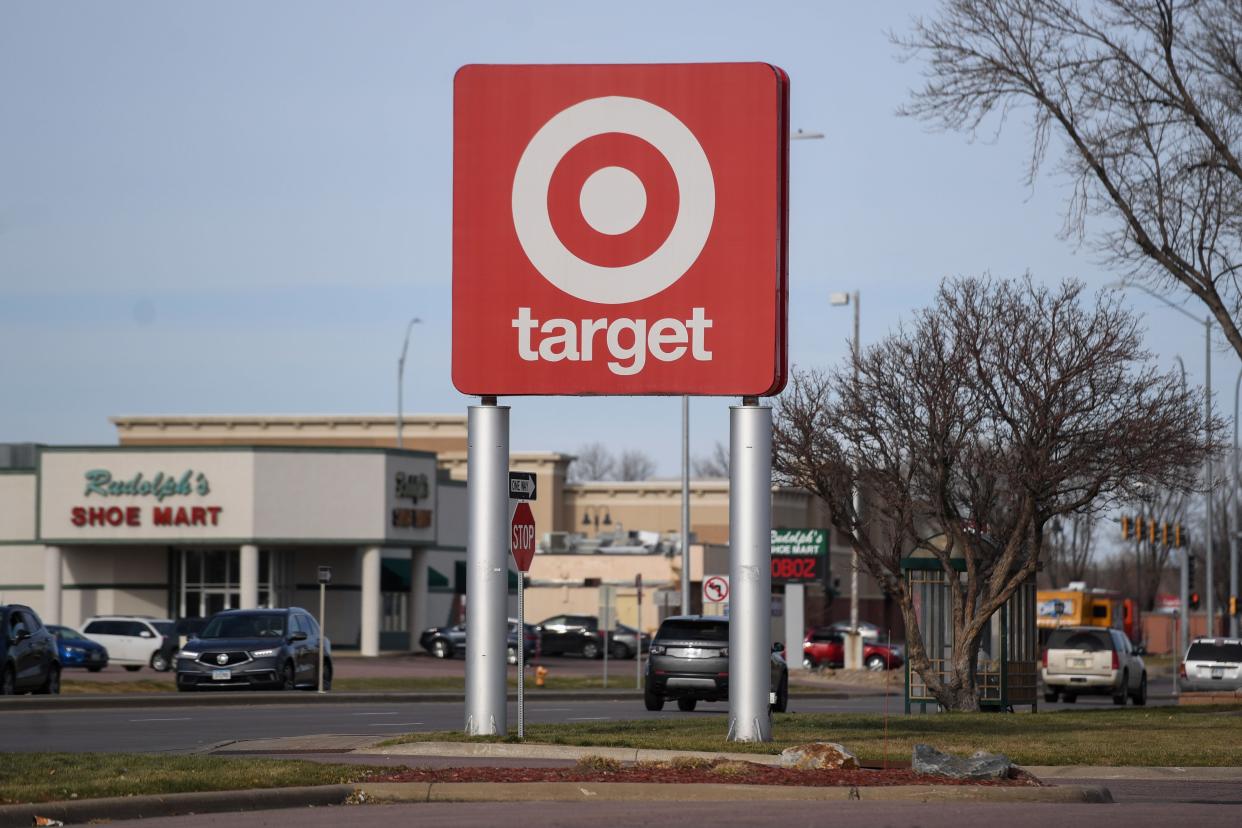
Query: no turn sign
[522, 536]
[715, 589]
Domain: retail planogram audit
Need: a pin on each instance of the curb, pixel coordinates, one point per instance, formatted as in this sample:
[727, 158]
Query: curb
[140, 807]
[1137, 772]
[647, 792]
[229, 698]
[504, 750]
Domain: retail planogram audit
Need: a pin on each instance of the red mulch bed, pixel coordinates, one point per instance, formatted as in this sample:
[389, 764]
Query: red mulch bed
[754, 775]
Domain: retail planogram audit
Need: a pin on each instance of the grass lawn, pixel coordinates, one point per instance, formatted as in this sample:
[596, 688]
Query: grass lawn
[46, 777]
[1153, 736]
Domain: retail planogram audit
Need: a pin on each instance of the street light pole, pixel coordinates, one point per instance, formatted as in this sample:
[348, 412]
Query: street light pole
[1183, 634]
[401, 376]
[1233, 512]
[853, 649]
[685, 507]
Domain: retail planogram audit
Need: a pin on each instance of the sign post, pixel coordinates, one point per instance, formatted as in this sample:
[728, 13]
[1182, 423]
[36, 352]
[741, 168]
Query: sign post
[325, 577]
[638, 634]
[522, 544]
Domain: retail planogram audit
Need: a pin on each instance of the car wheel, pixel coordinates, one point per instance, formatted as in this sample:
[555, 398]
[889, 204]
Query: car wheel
[1070, 698]
[652, 700]
[590, 650]
[1119, 698]
[1140, 698]
[619, 650]
[808, 663]
[287, 678]
[686, 705]
[8, 683]
[1051, 696]
[133, 668]
[782, 695]
[158, 663]
[512, 655]
[52, 685]
[876, 663]
[327, 676]
[441, 648]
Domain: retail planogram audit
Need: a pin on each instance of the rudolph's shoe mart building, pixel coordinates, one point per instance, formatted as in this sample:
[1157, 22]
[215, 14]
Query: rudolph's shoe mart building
[281, 495]
[191, 530]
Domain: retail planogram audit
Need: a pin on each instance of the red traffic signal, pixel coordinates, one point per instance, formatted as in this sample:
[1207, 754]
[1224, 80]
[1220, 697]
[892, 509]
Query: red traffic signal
[1194, 600]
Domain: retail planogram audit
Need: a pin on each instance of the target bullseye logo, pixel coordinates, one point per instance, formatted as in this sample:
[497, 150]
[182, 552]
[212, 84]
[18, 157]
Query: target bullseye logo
[619, 229]
[613, 200]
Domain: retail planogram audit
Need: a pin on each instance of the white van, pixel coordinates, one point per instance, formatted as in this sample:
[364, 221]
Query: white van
[133, 641]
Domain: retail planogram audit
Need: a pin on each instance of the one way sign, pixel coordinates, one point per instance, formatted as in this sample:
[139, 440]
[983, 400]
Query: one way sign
[521, 485]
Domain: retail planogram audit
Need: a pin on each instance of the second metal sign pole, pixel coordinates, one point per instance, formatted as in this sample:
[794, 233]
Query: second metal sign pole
[750, 572]
[487, 569]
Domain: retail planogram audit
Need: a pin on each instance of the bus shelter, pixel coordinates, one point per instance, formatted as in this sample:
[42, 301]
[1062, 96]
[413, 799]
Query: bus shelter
[1008, 666]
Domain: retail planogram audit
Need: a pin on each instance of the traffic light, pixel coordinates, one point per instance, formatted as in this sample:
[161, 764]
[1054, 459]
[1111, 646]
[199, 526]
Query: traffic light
[1151, 530]
[1164, 534]
[1194, 600]
[1233, 605]
[1177, 535]
[1125, 528]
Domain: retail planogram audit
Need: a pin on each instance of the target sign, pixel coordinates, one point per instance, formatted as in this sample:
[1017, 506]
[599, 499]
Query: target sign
[619, 229]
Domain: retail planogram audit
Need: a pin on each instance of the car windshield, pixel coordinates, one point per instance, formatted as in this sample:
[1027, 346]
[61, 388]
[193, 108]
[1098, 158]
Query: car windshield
[1213, 651]
[1092, 641]
[265, 625]
[67, 634]
[695, 630]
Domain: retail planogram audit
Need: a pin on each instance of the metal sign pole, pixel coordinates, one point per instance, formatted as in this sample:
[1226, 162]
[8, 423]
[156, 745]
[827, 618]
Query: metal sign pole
[638, 636]
[322, 630]
[487, 569]
[604, 625]
[521, 661]
[750, 572]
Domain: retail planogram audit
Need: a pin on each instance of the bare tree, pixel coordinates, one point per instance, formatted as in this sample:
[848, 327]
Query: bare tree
[1070, 548]
[635, 465]
[1146, 96]
[592, 462]
[714, 465]
[1002, 406]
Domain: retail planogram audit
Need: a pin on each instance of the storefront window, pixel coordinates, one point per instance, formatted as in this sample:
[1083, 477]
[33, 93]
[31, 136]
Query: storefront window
[211, 580]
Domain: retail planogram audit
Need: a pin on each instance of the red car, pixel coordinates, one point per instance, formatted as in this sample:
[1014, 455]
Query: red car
[825, 647]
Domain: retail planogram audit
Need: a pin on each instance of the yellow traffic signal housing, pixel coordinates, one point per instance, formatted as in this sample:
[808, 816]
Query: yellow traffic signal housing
[1177, 535]
[1125, 528]
[1233, 605]
[1151, 530]
[1164, 534]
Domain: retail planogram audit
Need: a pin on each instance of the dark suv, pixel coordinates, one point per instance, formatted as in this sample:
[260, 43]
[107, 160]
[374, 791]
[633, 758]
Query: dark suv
[29, 659]
[258, 649]
[690, 663]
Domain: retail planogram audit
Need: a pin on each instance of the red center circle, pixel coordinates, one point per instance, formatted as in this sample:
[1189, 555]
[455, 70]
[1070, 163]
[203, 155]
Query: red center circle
[613, 149]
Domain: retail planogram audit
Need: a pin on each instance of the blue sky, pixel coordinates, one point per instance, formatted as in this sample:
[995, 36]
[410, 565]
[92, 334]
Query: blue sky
[235, 207]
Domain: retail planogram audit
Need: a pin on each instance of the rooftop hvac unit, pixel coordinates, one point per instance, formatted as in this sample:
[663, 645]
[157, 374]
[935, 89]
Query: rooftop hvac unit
[555, 542]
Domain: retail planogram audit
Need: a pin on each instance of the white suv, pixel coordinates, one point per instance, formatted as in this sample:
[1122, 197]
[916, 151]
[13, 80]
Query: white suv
[1212, 664]
[133, 641]
[1093, 660]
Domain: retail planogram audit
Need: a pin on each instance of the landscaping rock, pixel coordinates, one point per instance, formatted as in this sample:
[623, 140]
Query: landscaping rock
[980, 765]
[818, 756]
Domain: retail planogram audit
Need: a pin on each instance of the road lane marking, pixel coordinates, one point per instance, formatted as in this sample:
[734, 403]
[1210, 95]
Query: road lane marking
[394, 713]
[395, 724]
[178, 719]
[587, 718]
[551, 709]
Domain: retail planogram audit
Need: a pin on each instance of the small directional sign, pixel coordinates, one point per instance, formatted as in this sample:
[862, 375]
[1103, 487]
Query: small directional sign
[521, 485]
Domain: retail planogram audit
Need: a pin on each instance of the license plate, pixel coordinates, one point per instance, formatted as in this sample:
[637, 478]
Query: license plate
[221, 675]
[1078, 662]
[1218, 672]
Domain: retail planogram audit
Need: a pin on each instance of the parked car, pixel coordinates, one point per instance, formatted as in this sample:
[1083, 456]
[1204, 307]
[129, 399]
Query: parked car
[183, 630]
[133, 641]
[256, 649]
[1212, 664]
[581, 635]
[1093, 660]
[447, 642]
[869, 631]
[690, 663]
[29, 662]
[76, 650]
[825, 647]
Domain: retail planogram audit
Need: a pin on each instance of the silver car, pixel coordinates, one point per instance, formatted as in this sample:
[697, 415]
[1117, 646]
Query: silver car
[1212, 664]
[1093, 660]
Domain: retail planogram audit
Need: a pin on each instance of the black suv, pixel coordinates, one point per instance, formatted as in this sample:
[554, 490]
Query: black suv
[29, 659]
[690, 663]
[258, 649]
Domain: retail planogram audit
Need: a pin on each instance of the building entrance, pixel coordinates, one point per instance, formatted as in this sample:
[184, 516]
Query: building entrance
[210, 580]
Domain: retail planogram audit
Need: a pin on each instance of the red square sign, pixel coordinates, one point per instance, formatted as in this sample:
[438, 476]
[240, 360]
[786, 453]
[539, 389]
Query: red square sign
[619, 229]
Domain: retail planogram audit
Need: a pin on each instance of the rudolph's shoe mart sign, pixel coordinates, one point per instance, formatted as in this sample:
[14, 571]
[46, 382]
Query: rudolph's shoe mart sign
[620, 229]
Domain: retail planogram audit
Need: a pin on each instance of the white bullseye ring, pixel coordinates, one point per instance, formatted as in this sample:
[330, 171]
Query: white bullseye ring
[613, 200]
[695, 209]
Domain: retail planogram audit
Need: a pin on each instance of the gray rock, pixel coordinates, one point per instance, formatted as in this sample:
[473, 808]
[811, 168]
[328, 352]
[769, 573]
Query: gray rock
[980, 765]
[818, 756]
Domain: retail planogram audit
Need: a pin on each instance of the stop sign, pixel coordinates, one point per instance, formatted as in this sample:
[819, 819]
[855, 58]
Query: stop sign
[522, 536]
